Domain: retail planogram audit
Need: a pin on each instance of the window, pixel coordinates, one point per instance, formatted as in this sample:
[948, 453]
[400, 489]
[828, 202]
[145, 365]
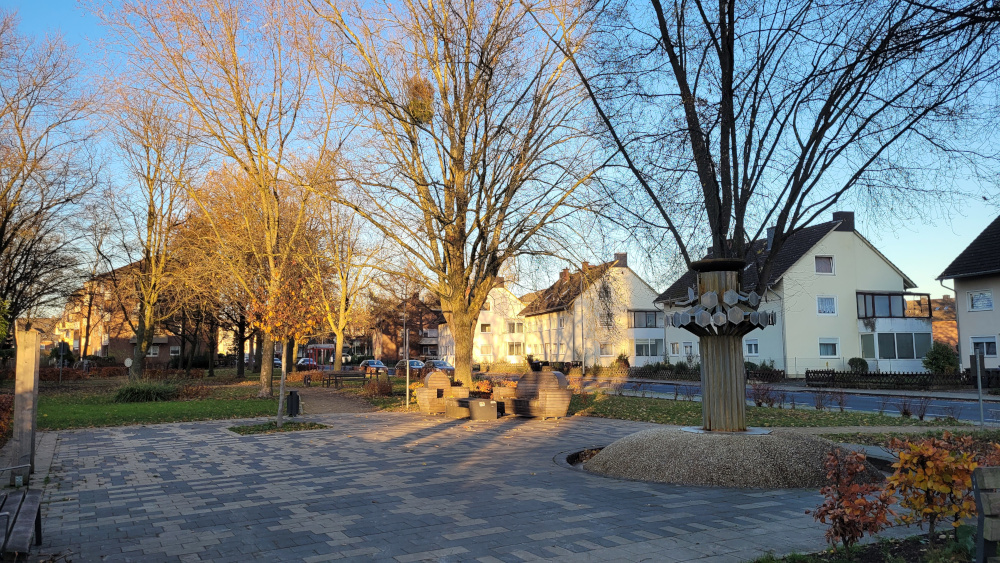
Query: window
[642, 348]
[486, 350]
[562, 320]
[824, 265]
[829, 347]
[647, 319]
[887, 346]
[752, 348]
[688, 349]
[981, 300]
[826, 305]
[153, 352]
[175, 350]
[921, 344]
[485, 327]
[559, 348]
[515, 349]
[649, 347]
[987, 345]
[868, 346]
[900, 345]
[515, 327]
[607, 349]
[675, 348]
[607, 319]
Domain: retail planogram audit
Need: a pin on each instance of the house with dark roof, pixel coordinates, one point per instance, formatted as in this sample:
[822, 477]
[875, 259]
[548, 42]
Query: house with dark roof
[834, 296]
[976, 273]
[594, 315]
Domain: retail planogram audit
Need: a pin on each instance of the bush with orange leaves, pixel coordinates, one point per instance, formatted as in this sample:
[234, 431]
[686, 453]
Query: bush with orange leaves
[851, 509]
[933, 478]
[483, 386]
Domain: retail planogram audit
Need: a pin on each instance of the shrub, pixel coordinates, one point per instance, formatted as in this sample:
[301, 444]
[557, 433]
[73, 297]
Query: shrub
[6, 417]
[377, 388]
[750, 366]
[762, 394]
[941, 358]
[145, 392]
[858, 365]
[851, 509]
[416, 385]
[934, 481]
[483, 386]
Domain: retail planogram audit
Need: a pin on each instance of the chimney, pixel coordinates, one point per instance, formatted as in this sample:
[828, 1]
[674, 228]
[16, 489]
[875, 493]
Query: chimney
[564, 274]
[621, 259]
[770, 236]
[846, 219]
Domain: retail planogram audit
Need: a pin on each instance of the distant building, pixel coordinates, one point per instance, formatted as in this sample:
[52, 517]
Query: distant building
[835, 297]
[499, 332]
[976, 274]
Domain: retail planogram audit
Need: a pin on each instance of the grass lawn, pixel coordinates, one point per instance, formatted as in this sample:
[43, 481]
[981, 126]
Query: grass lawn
[394, 403]
[688, 413]
[272, 427]
[83, 405]
[982, 440]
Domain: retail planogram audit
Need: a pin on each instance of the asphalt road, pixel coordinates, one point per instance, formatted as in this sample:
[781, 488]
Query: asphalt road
[853, 401]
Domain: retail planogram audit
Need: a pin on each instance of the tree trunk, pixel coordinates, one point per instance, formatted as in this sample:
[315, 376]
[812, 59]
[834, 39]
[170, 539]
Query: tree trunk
[194, 348]
[723, 383]
[183, 354]
[241, 339]
[338, 350]
[141, 346]
[266, 353]
[213, 344]
[258, 353]
[285, 357]
[461, 325]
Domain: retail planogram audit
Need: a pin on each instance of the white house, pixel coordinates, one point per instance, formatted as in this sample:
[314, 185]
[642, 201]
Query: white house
[499, 332]
[593, 315]
[835, 297]
[976, 272]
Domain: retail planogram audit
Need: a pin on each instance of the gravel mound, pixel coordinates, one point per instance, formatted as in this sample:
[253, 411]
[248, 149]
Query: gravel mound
[778, 460]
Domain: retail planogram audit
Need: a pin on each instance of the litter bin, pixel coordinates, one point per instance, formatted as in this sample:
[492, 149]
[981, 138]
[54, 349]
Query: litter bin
[482, 409]
[292, 405]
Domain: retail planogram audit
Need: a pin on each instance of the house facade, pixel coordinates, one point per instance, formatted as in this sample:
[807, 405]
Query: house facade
[593, 316]
[499, 332]
[976, 274]
[834, 297]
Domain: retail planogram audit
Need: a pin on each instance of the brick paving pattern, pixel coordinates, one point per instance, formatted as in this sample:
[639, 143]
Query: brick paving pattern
[392, 487]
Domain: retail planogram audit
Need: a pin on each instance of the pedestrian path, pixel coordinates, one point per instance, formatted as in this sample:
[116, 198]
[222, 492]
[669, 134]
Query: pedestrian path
[393, 487]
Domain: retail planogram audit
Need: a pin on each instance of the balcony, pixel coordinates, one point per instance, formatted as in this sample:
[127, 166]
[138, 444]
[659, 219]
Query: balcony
[893, 305]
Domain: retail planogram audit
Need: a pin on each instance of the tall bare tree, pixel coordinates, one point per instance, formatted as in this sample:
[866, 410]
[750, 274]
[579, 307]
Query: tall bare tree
[733, 117]
[244, 71]
[471, 150]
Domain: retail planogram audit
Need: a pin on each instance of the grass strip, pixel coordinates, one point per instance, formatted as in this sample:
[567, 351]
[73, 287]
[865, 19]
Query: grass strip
[61, 412]
[272, 427]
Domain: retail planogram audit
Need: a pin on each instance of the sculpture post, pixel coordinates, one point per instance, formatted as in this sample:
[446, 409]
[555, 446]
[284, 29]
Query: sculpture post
[720, 315]
[25, 400]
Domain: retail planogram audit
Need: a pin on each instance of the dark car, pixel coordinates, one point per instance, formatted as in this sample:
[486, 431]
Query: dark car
[415, 367]
[277, 363]
[306, 363]
[373, 366]
[439, 365]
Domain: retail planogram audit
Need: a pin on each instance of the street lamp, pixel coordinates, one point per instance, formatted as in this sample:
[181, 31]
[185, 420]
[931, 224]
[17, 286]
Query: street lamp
[406, 357]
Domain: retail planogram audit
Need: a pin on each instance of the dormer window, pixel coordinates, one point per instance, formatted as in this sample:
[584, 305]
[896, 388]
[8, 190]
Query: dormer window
[824, 265]
[981, 300]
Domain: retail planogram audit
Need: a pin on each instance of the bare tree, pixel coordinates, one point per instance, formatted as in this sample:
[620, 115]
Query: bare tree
[471, 150]
[245, 73]
[734, 117]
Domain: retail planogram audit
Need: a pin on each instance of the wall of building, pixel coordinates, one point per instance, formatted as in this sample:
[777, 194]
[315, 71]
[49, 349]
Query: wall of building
[977, 324]
[493, 345]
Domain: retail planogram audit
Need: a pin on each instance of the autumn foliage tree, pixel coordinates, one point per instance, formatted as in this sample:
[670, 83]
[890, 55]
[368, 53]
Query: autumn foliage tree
[851, 509]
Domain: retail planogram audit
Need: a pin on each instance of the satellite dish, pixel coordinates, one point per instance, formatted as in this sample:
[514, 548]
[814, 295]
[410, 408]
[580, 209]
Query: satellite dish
[128, 362]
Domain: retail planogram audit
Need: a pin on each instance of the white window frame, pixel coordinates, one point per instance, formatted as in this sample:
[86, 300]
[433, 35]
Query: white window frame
[560, 320]
[969, 300]
[153, 351]
[606, 349]
[687, 348]
[518, 327]
[836, 306]
[833, 265]
[834, 341]
[515, 345]
[643, 342]
[756, 347]
[485, 328]
[675, 348]
[486, 350]
[175, 348]
[973, 340]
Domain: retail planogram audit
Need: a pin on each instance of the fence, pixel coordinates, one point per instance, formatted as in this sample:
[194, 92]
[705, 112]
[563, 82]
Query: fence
[891, 380]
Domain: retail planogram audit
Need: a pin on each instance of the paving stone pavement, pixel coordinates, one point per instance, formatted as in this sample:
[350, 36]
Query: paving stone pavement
[392, 487]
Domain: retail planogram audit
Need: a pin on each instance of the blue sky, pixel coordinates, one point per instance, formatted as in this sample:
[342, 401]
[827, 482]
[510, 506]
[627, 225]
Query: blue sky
[921, 251]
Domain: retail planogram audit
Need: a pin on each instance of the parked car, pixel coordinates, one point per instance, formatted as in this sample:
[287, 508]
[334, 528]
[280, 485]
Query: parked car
[306, 363]
[415, 367]
[373, 366]
[277, 363]
[439, 365]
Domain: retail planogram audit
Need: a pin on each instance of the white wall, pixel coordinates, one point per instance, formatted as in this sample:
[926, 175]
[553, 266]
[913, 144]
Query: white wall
[972, 324]
[492, 346]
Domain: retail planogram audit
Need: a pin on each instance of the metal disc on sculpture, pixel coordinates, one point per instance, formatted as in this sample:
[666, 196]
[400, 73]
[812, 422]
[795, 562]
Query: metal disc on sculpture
[703, 318]
[710, 299]
[719, 319]
[691, 294]
[731, 297]
[677, 319]
[753, 299]
[736, 315]
[685, 319]
[754, 318]
[763, 321]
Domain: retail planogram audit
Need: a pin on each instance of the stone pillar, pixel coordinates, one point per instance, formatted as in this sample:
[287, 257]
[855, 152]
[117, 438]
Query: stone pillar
[25, 399]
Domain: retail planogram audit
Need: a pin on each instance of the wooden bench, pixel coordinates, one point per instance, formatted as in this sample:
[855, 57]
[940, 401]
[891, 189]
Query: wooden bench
[21, 516]
[986, 488]
[337, 378]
